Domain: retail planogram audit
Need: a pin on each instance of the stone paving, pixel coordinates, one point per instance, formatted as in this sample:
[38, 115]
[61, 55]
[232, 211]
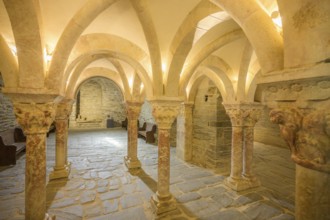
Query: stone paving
[100, 186]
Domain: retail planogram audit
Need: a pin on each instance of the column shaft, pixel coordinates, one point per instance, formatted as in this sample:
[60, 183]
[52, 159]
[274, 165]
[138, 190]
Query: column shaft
[61, 136]
[236, 153]
[35, 177]
[248, 152]
[133, 111]
[163, 185]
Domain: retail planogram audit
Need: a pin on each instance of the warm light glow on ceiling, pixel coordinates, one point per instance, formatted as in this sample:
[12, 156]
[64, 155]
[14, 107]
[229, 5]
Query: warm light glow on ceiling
[276, 17]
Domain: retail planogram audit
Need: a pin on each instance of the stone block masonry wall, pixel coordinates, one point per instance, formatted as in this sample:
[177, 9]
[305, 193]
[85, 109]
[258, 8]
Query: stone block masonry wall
[211, 129]
[100, 99]
[7, 117]
[267, 132]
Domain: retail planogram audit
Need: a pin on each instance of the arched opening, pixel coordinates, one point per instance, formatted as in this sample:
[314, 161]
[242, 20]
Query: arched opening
[99, 104]
[211, 142]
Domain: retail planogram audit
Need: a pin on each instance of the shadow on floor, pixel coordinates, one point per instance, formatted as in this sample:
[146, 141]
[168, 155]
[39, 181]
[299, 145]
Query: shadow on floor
[53, 186]
[150, 182]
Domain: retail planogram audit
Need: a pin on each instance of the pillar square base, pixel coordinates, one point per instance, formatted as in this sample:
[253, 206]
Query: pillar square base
[241, 184]
[162, 205]
[132, 164]
[59, 173]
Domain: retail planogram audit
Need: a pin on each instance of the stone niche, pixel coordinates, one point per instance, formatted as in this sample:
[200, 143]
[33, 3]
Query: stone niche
[211, 129]
[7, 117]
[98, 100]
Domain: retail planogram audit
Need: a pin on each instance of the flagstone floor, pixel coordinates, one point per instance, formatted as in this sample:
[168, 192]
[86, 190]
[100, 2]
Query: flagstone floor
[100, 186]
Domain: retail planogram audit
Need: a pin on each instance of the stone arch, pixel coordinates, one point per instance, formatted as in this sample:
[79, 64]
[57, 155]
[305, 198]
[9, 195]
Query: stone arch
[242, 82]
[74, 76]
[135, 64]
[259, 29]
[204, 53]
[8, 65]
[70, 35]
[152, 42]
[183, 40]
[30, 55]
[221, 81]
[89, 73]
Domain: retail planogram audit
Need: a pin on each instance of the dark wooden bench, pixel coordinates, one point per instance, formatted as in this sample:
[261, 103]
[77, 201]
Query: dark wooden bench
[12, 142]
[148, 131]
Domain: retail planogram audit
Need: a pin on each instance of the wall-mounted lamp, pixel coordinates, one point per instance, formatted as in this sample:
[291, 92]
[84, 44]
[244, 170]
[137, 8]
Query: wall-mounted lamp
[206, 98]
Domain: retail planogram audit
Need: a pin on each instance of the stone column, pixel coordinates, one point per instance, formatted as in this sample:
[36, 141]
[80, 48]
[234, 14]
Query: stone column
[184, 132]
[243, 117]
[133, 111]
[164, 112]
[307, 134]
[62, 167]
[35, 120]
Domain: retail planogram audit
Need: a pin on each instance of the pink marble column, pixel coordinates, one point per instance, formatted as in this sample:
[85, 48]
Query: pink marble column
[62, 167]
[184, 132]
[164, 112]
[133, 111]
[243, 118]
[307, 134]
[35, 120]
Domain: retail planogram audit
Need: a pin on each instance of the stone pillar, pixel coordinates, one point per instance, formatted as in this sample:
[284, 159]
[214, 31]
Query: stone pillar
[184, 132]
[35, 120]
[243, 117]
[133, 111]
[164, 112]
[62, 167]
[307, 134]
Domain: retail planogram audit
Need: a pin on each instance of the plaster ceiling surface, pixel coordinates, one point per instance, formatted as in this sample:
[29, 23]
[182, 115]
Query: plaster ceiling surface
[122, 19]
[167, 17]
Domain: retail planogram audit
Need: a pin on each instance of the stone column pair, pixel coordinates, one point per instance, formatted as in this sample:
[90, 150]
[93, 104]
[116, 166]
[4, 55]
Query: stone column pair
[35, 119]
[62, 166]
[184, 132]
[307, 134]
[243, 118]
[133, 110]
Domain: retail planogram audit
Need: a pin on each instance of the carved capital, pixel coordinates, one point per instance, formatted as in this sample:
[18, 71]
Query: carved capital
[133, 110]
[165, 112]
[186, 108]
[246, 114]
[307, 135]
[35, 118]
[64, 109]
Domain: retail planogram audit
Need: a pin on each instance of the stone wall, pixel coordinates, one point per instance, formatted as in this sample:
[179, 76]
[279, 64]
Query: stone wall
[100, 100]
[211, 129]
[7, 117]
[267, 132]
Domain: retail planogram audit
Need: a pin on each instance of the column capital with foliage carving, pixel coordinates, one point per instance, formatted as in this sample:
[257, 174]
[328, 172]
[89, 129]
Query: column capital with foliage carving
[165, 111]
[35, 118]
[133, 109]
[244, 114]
[64, 109]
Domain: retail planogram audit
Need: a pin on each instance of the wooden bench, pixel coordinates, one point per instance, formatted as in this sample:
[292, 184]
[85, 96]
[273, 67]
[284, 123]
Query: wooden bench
[12, 142]
[148, 131]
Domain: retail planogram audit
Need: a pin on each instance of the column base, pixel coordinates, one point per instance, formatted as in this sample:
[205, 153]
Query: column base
[243, 183]
[162, 205]
[132, 164]
[59, 173]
